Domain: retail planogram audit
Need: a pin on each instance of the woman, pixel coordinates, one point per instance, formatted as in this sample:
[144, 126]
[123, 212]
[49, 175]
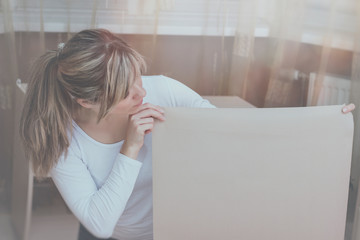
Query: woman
[86, 122]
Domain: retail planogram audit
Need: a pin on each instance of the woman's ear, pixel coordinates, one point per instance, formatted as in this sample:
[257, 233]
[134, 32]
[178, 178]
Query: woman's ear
[85, 103]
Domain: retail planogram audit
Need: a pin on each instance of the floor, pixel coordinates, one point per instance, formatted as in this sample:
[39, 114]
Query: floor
[56, 226]
[54, 221]
[49, 221]
[6, 231]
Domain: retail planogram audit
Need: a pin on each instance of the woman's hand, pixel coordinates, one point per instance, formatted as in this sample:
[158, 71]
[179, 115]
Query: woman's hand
[348, 108]
[139, 124]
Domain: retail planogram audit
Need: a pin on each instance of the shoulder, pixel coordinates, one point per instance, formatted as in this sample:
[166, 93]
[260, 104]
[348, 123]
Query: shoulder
[168, 92]
[159, 90]
[160, 84]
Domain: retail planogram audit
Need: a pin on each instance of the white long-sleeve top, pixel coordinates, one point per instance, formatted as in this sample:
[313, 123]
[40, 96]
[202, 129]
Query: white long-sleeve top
[110, 193]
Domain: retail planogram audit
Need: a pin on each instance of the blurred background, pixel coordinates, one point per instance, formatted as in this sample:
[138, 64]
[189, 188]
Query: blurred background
[271, 53]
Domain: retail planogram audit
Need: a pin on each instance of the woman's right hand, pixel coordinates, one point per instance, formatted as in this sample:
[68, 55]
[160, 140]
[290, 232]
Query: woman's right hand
[140, 124]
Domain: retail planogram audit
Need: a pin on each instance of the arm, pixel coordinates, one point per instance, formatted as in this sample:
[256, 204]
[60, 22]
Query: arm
[97, 209]
[100, 209]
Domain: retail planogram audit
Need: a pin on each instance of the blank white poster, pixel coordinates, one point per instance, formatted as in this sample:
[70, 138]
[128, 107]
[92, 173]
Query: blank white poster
[280, 173]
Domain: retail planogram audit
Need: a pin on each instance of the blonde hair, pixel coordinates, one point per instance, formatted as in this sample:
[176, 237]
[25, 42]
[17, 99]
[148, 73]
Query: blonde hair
[94, 65]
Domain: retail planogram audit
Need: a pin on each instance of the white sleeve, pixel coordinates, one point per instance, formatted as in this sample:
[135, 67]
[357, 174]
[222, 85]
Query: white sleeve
[97, 209]
[183, 96]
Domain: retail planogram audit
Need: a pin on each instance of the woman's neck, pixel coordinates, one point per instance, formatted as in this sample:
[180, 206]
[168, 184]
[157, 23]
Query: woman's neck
[110, 129]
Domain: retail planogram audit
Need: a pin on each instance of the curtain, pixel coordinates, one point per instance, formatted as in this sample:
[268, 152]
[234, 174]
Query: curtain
[272, 53]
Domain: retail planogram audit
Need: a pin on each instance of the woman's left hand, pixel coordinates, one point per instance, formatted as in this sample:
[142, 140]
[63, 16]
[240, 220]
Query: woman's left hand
[348, 108]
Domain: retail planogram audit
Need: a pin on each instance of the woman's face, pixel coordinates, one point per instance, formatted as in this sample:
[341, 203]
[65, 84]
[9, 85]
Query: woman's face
[133, 100]
[128, 105]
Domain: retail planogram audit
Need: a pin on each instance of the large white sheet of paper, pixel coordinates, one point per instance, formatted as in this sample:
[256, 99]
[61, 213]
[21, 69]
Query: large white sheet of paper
[252, 173]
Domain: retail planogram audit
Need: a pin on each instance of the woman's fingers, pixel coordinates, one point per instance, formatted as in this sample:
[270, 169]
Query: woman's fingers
[149, 110]
[151, 106]
[146, 127]
[148, 113]
[144, 120]
[140, 124]
[348, 108]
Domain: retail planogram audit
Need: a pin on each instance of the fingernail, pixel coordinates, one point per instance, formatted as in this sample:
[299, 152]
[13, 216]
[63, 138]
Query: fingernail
[345, 109]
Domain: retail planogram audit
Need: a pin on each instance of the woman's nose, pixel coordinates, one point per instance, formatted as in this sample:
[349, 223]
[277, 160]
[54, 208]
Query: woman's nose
[140, 91]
